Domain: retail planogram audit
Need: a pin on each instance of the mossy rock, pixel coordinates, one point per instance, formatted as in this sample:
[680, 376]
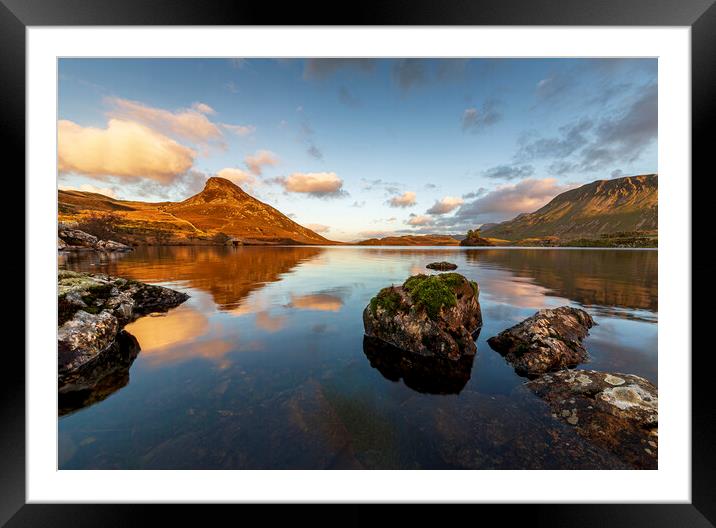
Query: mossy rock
[430, 315]
[433, 292]
[388, 299]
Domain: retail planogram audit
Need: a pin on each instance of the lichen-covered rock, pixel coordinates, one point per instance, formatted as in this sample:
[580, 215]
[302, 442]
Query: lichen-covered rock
[93, 308]
[124, 299]
[442, 266]
[549, 340]
[615, 411]
[84, 337]
[433, 315]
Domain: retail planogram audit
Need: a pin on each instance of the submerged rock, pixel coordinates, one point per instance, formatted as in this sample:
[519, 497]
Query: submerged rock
[433, 315]
[93, 308]
[549, 340]
[616, 411]
[425, 374]
[442, 266]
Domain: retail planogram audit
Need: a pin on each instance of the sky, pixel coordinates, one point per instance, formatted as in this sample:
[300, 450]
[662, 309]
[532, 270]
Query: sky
[358, 148]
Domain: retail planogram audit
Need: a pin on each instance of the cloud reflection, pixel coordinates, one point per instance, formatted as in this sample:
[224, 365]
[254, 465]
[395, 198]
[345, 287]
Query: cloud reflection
[323, 302]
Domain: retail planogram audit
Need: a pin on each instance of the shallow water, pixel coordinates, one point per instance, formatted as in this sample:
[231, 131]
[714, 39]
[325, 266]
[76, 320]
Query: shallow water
[265, 365]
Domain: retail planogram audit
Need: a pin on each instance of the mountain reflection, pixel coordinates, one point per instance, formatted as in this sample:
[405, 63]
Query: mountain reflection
[228, 274]
[625, 279]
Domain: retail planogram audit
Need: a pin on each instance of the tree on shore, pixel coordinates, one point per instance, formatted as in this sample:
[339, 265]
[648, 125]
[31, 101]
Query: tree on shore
[473, 233]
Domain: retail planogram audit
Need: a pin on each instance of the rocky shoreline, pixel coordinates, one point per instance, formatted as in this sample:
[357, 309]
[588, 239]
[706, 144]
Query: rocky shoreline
[71, 239]
[92, 312]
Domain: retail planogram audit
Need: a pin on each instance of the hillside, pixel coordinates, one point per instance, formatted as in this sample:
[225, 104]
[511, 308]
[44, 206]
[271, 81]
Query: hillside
[412, 240]
[221, 207]
[596, 210]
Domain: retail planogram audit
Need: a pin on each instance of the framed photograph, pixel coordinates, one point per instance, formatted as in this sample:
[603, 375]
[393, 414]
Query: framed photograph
[407, 257]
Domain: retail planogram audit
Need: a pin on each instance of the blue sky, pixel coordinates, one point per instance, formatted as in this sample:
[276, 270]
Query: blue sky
[358, 147]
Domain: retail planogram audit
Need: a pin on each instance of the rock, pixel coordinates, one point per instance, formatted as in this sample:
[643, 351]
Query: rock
[84, 337]
[93, 308]
[442, 266]
[98, 379]
[111, 245]
[70, 238]
[549, 340]
[425, 374]
[433, 315]
[622, 418]
[77, 238]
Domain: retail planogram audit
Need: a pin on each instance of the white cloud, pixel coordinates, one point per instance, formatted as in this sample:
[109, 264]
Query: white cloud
[203, 108]
[238, 176]
[321, 184]
[187, 124]
[124, 149]
[444, 206]
[407, 199]
[318, 228]
[419, 220]
[508, 200]
[240, 130]
[256, 162]
[86, 187]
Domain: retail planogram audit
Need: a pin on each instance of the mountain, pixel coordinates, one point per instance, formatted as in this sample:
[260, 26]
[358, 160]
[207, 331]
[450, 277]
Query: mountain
[598, 209]
[412, 240]
[221, 207]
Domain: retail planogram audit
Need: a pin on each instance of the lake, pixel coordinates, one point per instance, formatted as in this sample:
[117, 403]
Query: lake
[265, 367]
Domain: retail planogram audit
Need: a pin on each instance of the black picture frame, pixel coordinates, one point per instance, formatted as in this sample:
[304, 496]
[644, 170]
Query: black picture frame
[699, 15]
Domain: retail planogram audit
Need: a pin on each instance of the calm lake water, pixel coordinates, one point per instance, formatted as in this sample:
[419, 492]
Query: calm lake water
[265, 365]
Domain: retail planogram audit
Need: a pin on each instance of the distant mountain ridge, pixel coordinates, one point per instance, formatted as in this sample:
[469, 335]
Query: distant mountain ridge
[412, 240]
[603, 207]
[221, 207]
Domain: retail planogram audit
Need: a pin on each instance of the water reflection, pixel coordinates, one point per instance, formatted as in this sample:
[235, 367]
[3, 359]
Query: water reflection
[423, 374]
[323, 302]
[607, 279]
[265, 365]
[229, 274]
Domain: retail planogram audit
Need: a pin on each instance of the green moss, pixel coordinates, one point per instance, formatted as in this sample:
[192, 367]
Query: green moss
[434, 291]
[387, 299]
[474, 287]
